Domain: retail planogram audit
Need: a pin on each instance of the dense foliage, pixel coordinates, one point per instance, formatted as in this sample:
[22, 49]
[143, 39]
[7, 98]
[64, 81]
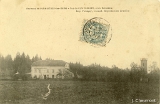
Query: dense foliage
[21, 64]
[94, 72]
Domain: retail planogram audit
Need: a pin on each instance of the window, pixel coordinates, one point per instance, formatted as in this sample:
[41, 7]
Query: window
[39, 70]
[47, 71]
[52, 76]
[52, 70]
[47, 76]
[143, 64]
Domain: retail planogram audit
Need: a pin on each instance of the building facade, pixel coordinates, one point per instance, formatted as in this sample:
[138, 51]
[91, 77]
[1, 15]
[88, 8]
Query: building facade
[144, 64]
[50, 69]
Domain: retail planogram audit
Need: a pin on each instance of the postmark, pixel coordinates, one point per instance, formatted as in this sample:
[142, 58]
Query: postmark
[97, 31]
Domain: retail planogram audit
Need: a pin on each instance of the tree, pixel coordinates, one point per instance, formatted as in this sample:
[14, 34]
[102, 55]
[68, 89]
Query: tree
[9, 65]
[22, 64]
[28, 63]
[136, 73]
[2, 62]
[36, 58]
[17, 62]
[154, 73]
[9, 62]
[76, 68]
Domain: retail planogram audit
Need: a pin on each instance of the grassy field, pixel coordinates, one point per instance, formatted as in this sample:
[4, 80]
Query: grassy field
[76, 92]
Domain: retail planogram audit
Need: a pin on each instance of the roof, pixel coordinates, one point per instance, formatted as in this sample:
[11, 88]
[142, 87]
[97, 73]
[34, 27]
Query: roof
[143, 59]
[49, 63]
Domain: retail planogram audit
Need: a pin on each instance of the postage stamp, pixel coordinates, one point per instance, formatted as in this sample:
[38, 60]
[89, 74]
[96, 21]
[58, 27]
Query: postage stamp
[97, 31]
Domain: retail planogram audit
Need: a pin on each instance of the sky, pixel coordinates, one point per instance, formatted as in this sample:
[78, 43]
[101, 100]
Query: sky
[55, 33]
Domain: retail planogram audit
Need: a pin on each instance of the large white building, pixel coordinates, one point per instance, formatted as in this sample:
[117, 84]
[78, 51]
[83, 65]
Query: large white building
[45, 69]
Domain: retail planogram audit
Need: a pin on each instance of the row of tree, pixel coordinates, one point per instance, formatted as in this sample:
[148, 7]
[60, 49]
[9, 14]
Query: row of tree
[21, 64]
[96, 72]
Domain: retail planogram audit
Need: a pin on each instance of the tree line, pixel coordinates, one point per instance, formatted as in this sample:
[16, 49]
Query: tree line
[21, 64]
[96, 72]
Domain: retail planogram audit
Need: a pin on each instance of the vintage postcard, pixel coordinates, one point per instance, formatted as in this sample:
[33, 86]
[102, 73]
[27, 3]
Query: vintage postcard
[79, 52]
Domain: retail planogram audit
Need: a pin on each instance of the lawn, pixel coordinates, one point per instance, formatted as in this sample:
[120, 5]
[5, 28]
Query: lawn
[76, 92]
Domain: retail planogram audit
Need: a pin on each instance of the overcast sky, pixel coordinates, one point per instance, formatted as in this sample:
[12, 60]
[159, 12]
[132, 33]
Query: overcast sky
[55, 33]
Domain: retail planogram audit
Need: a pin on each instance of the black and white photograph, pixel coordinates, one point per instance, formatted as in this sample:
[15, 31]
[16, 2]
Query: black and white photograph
[79, 52]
